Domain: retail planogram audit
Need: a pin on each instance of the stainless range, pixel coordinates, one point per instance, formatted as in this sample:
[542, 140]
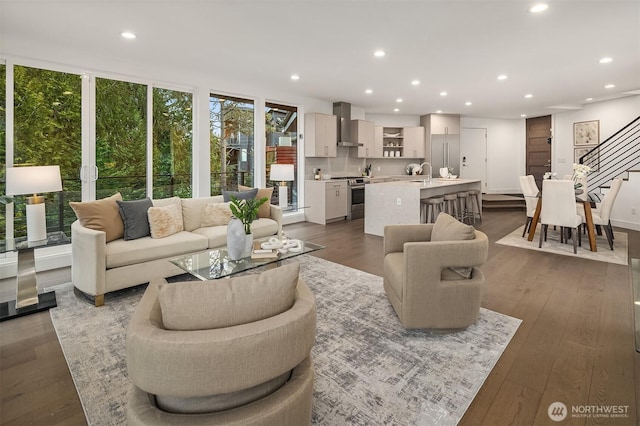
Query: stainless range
[355, 196]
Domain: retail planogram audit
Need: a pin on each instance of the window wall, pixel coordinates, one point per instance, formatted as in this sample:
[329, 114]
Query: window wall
[281, 125]
[3, 149]
[231, 138]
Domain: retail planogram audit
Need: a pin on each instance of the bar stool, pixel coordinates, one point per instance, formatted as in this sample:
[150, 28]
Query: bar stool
[474, 201]
[451, 204]
[430, 208]
[462, 202]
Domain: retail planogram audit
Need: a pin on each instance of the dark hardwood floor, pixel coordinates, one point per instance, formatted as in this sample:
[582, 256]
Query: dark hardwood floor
[575, 344]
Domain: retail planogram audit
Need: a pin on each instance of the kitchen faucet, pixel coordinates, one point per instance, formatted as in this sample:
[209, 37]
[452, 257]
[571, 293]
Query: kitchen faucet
[430, 170]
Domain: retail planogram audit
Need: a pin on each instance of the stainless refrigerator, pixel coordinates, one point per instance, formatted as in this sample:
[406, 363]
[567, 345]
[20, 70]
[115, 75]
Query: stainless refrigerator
[445, 152]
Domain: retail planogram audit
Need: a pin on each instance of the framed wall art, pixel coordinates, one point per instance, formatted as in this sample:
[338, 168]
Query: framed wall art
[586, 133]
[592, 161]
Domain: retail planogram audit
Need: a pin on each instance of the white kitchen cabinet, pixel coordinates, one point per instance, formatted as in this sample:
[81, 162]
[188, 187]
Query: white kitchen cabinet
[413, 139]
[363, 132]
[440, 124]
[326, 201]
[320, 135]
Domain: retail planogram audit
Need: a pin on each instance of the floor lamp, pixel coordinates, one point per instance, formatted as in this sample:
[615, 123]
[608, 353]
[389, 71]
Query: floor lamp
[34, 180]
[283, 173]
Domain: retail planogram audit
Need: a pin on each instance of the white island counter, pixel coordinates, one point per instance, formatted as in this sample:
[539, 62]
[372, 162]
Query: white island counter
[399, 202]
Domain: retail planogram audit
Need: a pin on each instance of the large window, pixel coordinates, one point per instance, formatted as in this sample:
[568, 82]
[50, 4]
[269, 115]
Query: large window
[281, 125]
[3, 153]
[231, 142]
[172, 140]
[47, 131]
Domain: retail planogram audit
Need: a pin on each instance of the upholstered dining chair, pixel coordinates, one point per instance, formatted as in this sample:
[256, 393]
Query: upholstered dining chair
[531, 199]
[583, 182]
[602, 214]
[532, 183]
[233, 352]
[559, 208]
[431, 274]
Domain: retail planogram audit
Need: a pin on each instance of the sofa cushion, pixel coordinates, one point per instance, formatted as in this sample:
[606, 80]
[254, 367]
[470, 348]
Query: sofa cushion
[447, 228]
[265, 208]
[240, 195]
[162, 202]
[206, 305]
[134, 217]
[216, 214]
[101, 215]
[165, 221]
[123, 253]
[192, 210]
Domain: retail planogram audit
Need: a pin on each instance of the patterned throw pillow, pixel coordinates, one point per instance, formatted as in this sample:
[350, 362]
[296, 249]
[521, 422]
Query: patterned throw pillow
[165, 221]
[216, 214]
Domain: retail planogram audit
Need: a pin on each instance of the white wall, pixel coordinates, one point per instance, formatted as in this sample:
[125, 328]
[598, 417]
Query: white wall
[613, 115]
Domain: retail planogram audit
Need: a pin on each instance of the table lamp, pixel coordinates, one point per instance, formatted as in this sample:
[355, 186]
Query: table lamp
[284, 174]
[34, 180]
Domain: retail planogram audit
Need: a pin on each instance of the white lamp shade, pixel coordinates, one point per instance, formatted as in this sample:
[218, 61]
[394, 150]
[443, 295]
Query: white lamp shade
[33, 180]
[281, 172]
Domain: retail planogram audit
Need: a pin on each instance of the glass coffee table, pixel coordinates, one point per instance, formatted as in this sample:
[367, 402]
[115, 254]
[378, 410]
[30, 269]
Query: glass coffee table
[213, 264]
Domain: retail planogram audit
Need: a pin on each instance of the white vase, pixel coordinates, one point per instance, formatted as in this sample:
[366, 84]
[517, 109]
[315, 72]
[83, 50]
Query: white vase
[248, 245]
[236, 240]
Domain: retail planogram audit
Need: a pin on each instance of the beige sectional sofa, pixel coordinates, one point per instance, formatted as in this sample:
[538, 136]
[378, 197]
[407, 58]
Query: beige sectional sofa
[99, 267]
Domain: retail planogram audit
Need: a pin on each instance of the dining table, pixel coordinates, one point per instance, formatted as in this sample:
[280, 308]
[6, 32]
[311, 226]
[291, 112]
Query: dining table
[588, 218]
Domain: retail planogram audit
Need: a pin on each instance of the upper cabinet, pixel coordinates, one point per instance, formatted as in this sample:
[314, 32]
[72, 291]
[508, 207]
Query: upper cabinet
[321, 135]
[413, 142]
[441, 124]
[363, 132]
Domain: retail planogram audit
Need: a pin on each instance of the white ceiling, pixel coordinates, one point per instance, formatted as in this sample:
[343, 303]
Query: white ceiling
[455, 46]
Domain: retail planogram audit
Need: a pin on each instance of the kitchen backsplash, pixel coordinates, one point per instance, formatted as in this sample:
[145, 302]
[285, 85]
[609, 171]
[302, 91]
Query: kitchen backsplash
[344, 165]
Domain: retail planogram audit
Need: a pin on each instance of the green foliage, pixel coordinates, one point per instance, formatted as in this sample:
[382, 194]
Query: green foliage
[246, 210]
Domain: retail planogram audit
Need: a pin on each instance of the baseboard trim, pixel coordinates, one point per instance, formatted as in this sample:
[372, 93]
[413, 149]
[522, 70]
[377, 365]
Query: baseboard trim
[634, 226]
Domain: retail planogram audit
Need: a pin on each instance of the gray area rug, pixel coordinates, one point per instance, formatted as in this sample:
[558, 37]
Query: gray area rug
[369, 370]
[618, 255]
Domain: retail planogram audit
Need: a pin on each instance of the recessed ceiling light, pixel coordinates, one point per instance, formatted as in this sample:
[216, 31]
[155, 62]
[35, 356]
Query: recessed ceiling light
[439, 111]
[502, 77]
[399, 100]
[523, 115]
[540, 7]
[127, 34]
[609, 86]
[443, 93]
[379, 53]
[396, 109]
[295, 77]
[415, 82]
[467, 103]
[528, 96]
[605, 60]
[589, 99]
[368, 91]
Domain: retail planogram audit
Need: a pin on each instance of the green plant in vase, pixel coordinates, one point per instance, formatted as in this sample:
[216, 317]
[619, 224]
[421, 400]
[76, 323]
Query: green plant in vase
[246, 210]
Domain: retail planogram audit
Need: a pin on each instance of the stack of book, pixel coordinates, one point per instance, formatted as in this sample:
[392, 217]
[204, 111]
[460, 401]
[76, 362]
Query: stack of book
[259, 253]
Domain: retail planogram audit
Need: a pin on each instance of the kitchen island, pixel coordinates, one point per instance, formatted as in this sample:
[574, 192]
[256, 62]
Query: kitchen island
[398, 202]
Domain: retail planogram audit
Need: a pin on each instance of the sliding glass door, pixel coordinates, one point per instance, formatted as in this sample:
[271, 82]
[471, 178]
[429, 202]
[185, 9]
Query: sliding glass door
[281, 125]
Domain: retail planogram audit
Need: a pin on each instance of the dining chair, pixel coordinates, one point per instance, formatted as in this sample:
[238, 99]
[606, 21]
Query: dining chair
[559, 208]
[583, 182]
[601, 215]
[532, 184]
[531, 199]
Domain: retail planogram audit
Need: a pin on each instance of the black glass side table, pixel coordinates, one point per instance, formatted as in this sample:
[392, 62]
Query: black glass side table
[28, 301]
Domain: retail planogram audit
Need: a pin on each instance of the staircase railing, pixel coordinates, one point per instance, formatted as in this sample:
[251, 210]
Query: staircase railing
[613, 157]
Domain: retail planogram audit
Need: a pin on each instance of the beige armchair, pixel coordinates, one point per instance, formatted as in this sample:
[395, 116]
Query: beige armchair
[419, 280]
[253, 373]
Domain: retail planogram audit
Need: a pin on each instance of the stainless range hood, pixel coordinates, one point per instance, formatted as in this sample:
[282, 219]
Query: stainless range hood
[343, 111]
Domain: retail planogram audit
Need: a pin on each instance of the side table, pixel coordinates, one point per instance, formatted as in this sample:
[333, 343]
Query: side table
[28, 301]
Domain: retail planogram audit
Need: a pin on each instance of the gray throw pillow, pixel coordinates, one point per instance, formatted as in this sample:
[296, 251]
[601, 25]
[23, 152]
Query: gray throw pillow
[240, 195]
[134, 217]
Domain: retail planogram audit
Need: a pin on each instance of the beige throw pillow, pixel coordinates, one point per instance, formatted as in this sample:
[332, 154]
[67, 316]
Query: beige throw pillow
[265, 209]
[447, 228]
[205, 305]
[101, 215]
[216, 214]
[165, 221]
